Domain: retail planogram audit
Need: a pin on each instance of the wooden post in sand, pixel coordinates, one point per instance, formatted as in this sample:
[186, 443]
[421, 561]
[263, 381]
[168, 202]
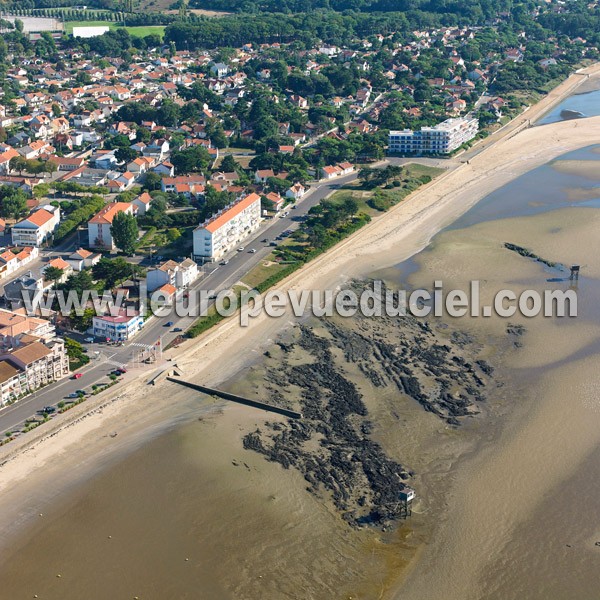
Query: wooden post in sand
[574, 272]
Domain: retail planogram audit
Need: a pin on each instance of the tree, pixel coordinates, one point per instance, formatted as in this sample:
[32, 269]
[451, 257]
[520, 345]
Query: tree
[229, 164]
[152, 181]
[13, 202]
[125, 232]
[112, 271]
[80, 323]
[125, 155]
[53, 274]
[173, 234]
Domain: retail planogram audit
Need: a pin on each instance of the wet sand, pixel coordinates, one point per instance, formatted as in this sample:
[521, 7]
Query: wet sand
[497, 520]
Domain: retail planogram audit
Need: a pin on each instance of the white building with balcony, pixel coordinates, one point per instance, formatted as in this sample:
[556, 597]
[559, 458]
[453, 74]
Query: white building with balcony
[443, 138]
[35, 229]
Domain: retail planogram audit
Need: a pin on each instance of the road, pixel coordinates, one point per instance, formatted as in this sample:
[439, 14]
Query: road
[217, 277]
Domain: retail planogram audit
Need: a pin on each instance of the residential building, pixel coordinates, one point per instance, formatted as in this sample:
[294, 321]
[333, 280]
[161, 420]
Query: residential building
[35, 229]
[61, 264]
[296, 192]
[120, 327]
[181, 275]
[27, 363]
[443, 138]
[82, 259]
[225, 230]
[143, 202]
[99, 235]
[14, 324]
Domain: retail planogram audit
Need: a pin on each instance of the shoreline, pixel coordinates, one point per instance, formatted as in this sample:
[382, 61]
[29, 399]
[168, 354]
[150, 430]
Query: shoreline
[401, 233]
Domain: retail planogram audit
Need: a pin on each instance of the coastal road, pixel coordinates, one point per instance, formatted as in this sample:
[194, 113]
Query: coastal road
[216, 277]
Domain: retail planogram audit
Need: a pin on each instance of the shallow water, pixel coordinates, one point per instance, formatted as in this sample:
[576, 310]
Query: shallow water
[587, 103]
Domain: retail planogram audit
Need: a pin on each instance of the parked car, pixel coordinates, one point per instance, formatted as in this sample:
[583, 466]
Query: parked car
[169, 324]
[241, 249]
[122, 370]
[273, 244]
[81, 393]
[89, 340]
[177, 329]
[73, 395]
[224, 262]
[252, 251]
[76, 375]
[48, 410]
[265, 241]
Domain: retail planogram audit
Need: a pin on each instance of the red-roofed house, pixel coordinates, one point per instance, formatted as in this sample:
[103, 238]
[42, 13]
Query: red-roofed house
[99, 235]
[143, 202]
[35, 229]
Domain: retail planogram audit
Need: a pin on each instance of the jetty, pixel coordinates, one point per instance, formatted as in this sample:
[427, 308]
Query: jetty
[292, 414]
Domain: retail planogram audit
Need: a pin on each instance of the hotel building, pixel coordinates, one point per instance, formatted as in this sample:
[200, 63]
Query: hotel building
[443, 138]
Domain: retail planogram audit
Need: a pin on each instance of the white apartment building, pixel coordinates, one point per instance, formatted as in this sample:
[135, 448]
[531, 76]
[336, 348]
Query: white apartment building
[29, 363]
[443, 138]
[225, 230]
[35, 229]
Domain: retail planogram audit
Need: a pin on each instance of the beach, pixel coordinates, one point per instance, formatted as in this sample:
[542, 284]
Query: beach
[482, 524]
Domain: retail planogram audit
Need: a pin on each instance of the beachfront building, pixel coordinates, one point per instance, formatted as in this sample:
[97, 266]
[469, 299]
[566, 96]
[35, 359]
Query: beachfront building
[443, 138]
[225, 230]
[35, 229]
[28, 363]
[117, 328]
[99, 235]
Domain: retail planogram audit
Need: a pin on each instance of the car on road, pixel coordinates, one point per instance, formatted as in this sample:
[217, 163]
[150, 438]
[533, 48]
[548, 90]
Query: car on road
[48, 410]
[177, 329]
[252, 251]
[224, 262]
[73, 395]
[265, 241]
[169, 324]
[77, 375]
[241, 249]
[89, 340]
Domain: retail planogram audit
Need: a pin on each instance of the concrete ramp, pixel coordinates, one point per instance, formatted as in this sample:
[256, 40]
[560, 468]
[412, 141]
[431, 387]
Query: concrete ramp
[292, 414]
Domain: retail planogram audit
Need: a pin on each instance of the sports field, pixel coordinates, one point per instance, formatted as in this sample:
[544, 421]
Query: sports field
[141, 31]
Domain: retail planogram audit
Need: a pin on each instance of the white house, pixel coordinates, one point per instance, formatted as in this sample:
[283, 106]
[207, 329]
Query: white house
[120, 327]
[99, 235]
[296, 191]
[143, 202]
[181, 275]
[61, 264]
[219, 69]
[81, 259]
[35, 229]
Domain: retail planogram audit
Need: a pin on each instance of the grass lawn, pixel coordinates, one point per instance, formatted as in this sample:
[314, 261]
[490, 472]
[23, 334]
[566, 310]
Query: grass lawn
[141, 31]
[417, 170]
[261, 271]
